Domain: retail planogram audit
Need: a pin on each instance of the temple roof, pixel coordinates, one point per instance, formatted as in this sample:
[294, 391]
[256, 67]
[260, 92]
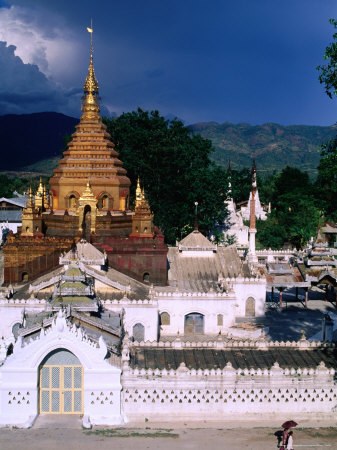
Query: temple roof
[86, 253]
[196, 241]
[16, 201]
[7, 215]
[285, 275]
[94, 327]
[200, 274]
[204, 358]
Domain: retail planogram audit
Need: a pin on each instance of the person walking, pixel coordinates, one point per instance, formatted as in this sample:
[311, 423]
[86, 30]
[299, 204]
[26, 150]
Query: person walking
[290, 441]
[284, 438]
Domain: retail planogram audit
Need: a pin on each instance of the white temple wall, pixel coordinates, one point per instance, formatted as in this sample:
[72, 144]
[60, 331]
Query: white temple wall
[241, 235]
[102, 392]
[209, 306]
[9, 317]
[185, 396]
[18, 396]
[255, 289]
[147, 315]
[19, 375]
[11, 313]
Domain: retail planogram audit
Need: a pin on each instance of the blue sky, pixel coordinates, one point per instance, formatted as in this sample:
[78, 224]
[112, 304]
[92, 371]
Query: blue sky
[200, 60]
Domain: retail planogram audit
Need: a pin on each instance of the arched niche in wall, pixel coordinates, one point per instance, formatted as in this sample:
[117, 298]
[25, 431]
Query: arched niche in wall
[194, 323]
[165, 318]
[146, 278]
[250, 307]
[105, 201]
[138, 332]
[24, 276]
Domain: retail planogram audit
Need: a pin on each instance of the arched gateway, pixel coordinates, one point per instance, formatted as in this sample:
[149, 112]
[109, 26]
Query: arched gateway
[61, 383]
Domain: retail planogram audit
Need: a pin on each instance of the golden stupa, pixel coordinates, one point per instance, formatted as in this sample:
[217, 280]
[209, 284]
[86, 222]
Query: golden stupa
[88, 198]
[90, 156]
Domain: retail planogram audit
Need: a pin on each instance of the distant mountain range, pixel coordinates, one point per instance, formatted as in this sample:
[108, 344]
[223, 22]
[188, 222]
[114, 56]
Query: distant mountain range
[34, 142]
[273, 146]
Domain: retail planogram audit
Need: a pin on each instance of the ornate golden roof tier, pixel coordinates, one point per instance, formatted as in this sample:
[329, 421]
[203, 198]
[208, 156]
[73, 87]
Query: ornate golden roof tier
[142, 221]
[90, 156]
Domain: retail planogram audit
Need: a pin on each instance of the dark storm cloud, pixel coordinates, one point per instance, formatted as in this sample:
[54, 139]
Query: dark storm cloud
[244, 61]
[23, 88]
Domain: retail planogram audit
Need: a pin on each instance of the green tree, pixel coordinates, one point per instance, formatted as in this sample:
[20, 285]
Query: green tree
[175, 169]
[241, 181]
[327, 170]
[8, 185]
[326, 183]
[296, 213]
[328, 72]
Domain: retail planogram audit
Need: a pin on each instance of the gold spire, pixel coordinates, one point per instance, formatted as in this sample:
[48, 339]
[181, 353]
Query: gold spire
[40, 196]
[30, 202]
[87, 194]
[40, 188]
[142, 225]
[45, 198]
[90, 106]
[139, 194]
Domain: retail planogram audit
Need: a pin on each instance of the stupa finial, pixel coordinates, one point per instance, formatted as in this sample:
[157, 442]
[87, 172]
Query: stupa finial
[90, 104]
[138, 194]
[30, 201]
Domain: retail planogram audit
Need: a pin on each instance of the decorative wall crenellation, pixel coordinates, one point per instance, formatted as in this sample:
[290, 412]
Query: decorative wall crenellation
[228, 344]
[228, 372]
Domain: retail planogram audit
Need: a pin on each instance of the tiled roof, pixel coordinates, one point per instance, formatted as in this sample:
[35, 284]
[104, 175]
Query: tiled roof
[138, 290]
[199, 274]
[204, 358]
[196, 241]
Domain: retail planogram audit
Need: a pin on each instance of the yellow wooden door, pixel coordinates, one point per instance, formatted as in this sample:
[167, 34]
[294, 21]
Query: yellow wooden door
[61, 389]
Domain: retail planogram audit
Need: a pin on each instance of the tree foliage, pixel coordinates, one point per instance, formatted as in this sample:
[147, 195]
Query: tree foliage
[327, 170]
[328, 72]
[326, 184]
[295, 214]
[175, 169]
[8, 185]
[241, 181]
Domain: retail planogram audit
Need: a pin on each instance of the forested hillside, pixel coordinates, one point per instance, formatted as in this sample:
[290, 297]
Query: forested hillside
[273, 146]
[35, 141]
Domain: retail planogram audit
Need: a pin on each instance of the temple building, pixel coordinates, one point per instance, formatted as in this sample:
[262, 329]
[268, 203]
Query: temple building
[100, 319]
[234, 226]
[86, 339]
[88, 198]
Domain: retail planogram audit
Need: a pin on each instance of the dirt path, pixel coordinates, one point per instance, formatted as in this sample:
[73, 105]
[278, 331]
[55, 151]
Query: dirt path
[130, 438]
